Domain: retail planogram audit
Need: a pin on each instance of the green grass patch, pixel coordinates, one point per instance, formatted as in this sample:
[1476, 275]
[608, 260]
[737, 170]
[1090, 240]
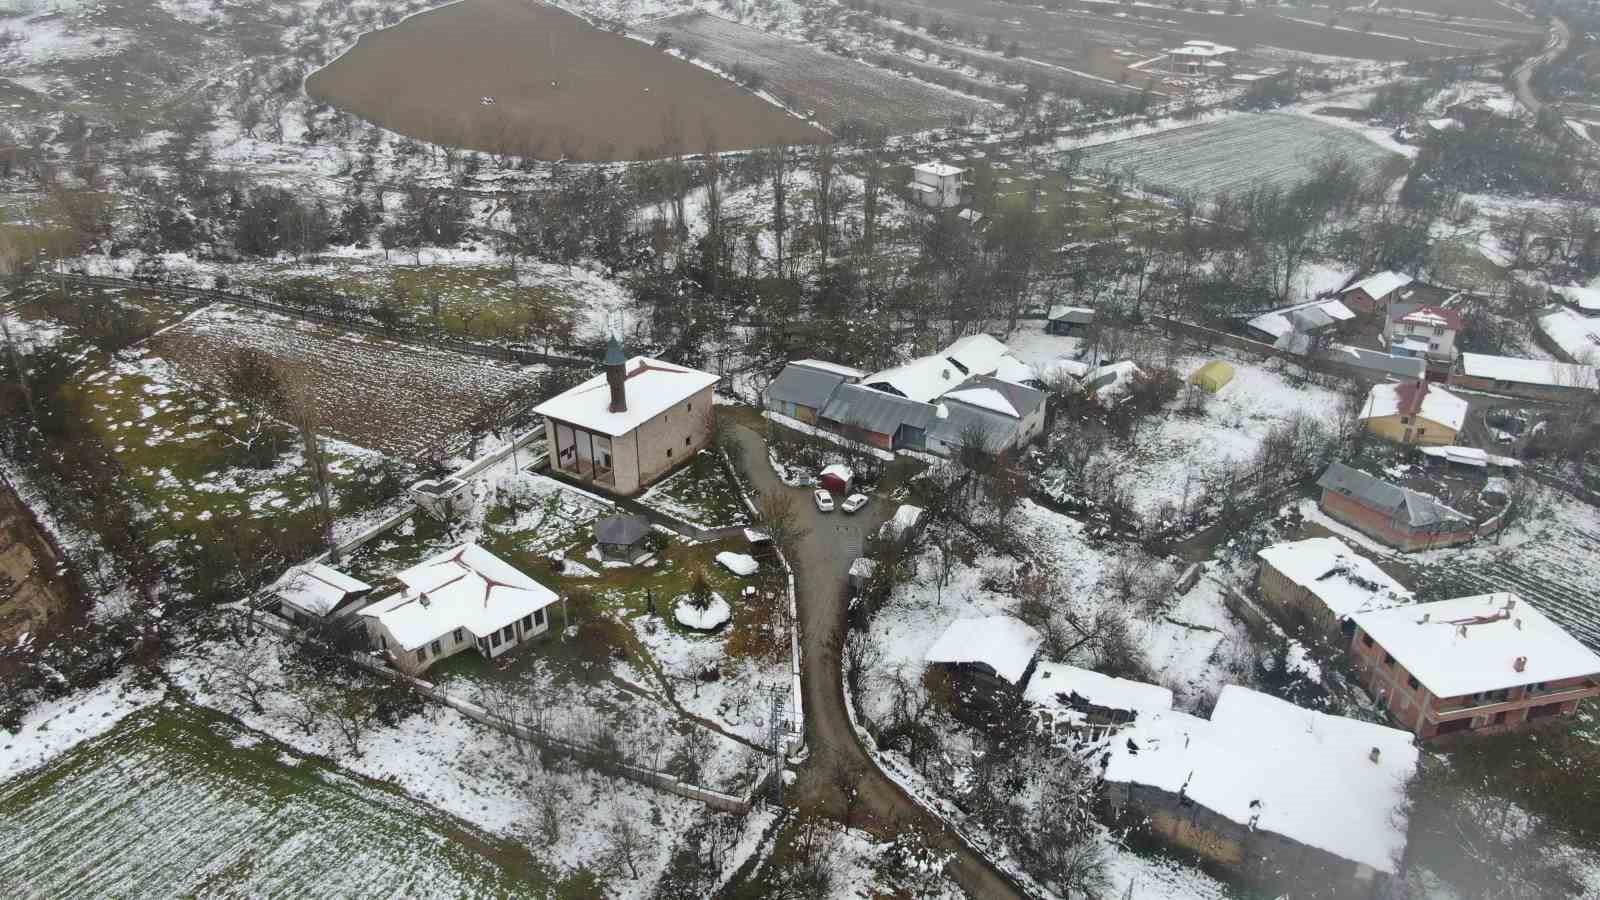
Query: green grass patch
[168, 441]
[483, 302]
[700, 493]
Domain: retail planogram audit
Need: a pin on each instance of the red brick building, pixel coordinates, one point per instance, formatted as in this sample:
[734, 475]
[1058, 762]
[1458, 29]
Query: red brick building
[1397, 516]
[1372, 294]
[1477, 665]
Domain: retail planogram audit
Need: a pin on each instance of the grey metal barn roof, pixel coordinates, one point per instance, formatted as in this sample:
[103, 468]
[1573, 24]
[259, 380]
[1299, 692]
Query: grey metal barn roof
[1023, 398]
[804, 385]
[1420, 511]
[1377, 361]
[998, 429]
[621, 529]
[875, 411]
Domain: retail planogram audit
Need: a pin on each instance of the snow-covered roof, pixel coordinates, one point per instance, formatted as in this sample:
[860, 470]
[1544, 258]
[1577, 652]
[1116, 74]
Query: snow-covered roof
[1202, 48]
[1443, 124]
[937, 169]
[1472, 644]
[1577, 335]
[1345, 581]
[904, 518]
[839, 471]
[1379, 285]
[1415, 398]
[652, 388]
[825, 366]
[1064, 366]
[317, 588]
[1584, 298]
[1081, 315]
[1004, 644]
[923, 379]
[1472, 456]
[1054, 684]
[463, 587]
[1312, 316]
[979, 354]
[1528, 371]
[1113, 378]
[1431, 316]
[1274, 766]
[863, 567]
[985, 398]
[1014, 370]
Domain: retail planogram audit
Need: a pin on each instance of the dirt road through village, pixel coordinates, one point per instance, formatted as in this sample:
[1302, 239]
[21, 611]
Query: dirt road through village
[820, 562]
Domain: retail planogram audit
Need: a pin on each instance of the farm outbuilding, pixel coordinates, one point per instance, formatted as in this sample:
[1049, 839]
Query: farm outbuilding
[1374, 292]
[996, 651]
[1069, 321]
[837, 478]
[1397, 516]
[316, 591]
[1213, 376]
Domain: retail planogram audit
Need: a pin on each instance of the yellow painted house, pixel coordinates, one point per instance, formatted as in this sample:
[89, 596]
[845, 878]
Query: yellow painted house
[1415, 413]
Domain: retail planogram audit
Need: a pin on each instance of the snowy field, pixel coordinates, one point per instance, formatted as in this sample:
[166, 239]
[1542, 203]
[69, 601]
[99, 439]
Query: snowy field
[1235, 154]
[1174, 456]
[812, 82]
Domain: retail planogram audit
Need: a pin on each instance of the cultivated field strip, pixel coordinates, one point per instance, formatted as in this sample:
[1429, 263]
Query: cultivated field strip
[164, 807]
[1234, 154]
[393, 397]
[835, 89]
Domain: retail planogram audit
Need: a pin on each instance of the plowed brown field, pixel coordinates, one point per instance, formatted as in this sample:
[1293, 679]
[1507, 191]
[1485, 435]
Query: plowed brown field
[559, 87]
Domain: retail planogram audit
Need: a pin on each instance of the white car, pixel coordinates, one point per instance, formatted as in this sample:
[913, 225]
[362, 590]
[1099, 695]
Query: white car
[824, 500]
[853, 502]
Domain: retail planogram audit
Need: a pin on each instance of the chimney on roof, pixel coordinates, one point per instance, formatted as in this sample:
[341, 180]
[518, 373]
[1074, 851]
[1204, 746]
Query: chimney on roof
[1520, 663]
[1424, 619]
[1462, 630]
[1374, 754]
[617, 375]
[1517, 622]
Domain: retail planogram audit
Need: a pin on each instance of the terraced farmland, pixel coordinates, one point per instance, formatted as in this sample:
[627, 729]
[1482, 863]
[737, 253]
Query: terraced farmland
[177, 801]
[429, 396]
[1235, 154]
[1557, 573]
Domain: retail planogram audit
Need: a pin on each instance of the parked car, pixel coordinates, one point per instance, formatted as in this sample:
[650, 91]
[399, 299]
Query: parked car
[853, 502]
[824, 501]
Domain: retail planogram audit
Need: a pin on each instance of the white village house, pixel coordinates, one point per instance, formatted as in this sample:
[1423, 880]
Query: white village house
[1200, 58]
[936, 185]
[625, 428]
[465, 597]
